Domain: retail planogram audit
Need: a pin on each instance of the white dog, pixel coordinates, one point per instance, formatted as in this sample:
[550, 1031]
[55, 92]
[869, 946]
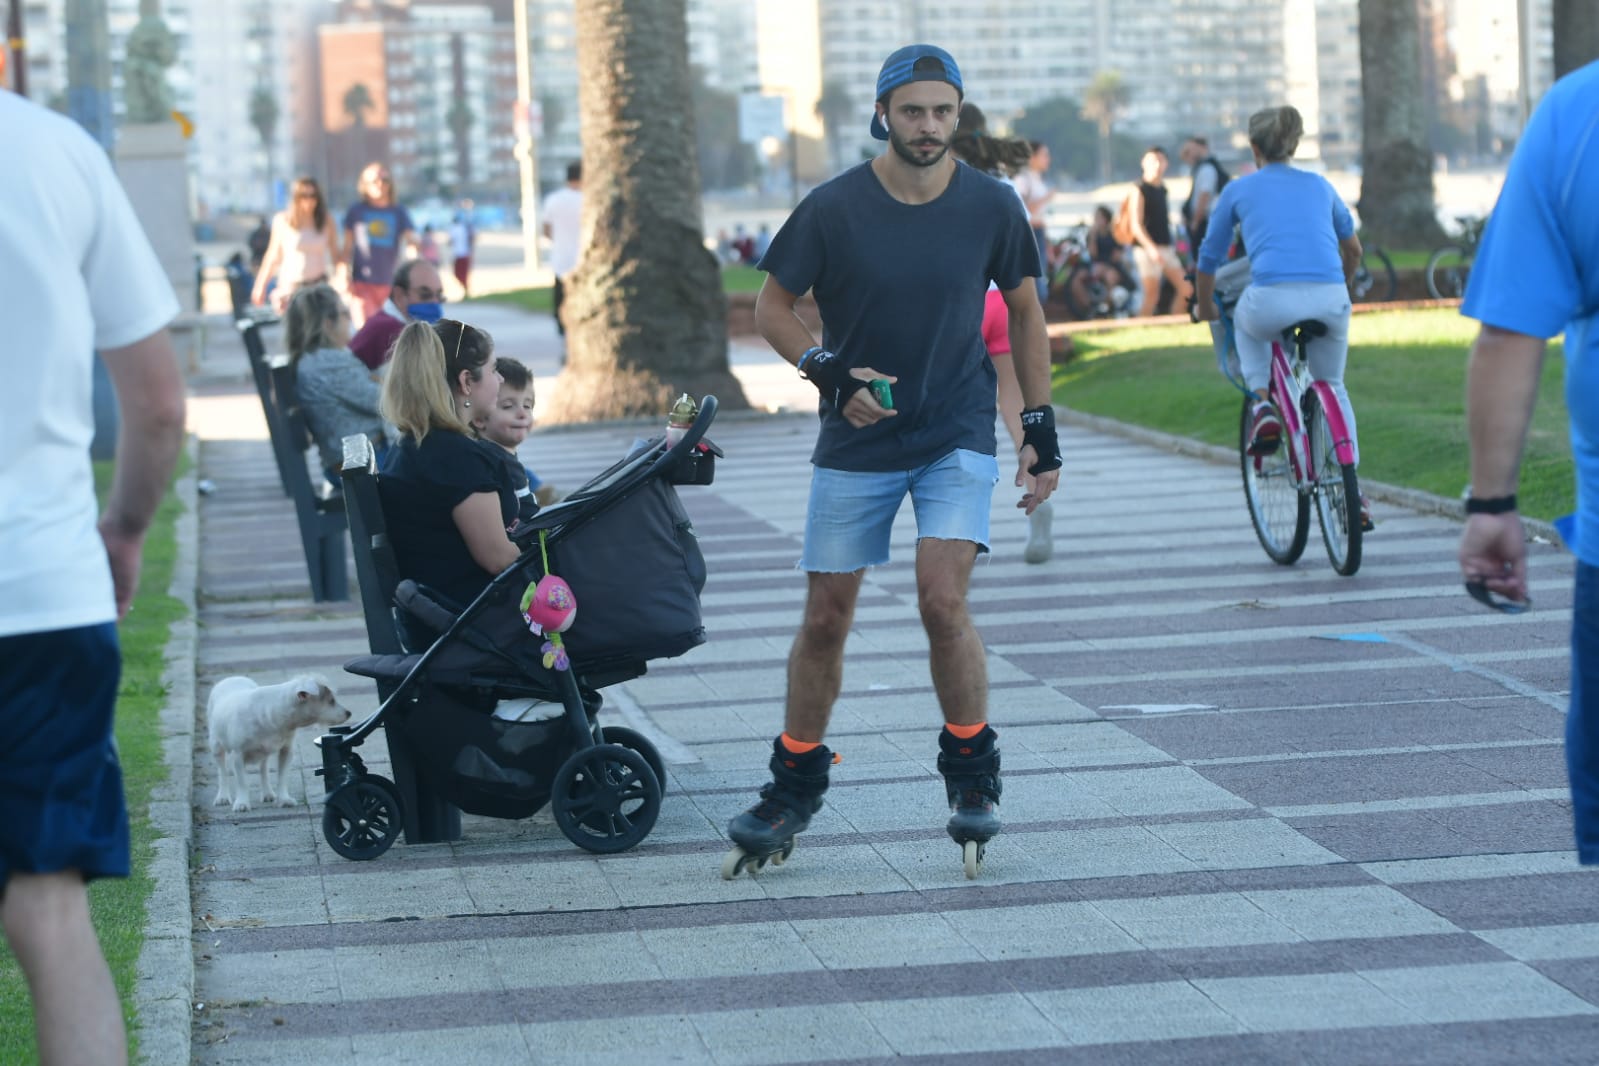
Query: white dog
[252, 722]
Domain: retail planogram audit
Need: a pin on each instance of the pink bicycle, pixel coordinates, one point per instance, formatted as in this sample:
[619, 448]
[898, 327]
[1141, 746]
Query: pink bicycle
[1314, 463]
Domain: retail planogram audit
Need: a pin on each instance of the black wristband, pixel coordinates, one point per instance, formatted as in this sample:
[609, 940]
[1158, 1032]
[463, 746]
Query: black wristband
[1038, 429]
[1491, 504]
[831, 377]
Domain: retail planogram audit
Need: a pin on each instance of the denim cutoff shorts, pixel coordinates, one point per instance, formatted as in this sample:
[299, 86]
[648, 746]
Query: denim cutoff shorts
[851, 512]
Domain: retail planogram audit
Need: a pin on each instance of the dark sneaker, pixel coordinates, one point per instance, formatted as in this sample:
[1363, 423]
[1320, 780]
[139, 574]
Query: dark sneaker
[1366, 523]
[1265, 429]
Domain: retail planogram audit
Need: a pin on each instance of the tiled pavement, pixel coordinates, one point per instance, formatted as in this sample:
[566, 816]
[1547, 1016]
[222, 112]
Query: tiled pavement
[1253, 814]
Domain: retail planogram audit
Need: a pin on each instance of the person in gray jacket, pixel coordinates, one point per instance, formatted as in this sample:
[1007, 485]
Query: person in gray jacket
[338, 394]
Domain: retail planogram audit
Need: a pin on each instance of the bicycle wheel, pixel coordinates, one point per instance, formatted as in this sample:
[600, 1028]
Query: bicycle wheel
[1280, 512]
[1337, 493]
[1375, 280]
[1447, 271]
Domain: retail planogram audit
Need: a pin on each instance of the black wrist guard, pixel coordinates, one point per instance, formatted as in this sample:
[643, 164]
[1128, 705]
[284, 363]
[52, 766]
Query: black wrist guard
[1491, 504]
[1038, 429]
[832, 378]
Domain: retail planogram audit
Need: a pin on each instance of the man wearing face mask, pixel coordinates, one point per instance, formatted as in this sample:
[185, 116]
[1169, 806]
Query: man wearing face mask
[417, 295]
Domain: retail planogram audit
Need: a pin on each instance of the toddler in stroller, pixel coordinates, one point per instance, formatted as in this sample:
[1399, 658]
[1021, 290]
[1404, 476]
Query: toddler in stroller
[627, 557]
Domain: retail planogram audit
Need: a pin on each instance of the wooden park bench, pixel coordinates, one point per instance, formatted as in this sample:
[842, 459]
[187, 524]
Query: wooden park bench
[426, 817]
[318, 510]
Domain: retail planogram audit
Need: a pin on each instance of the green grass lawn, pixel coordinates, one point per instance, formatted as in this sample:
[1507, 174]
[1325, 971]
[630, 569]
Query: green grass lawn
[1406, 379]
[118, 904]
[734, 279]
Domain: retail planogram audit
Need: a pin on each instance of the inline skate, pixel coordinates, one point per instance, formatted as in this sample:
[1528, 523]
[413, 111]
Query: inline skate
[971, 777]
[765, 833]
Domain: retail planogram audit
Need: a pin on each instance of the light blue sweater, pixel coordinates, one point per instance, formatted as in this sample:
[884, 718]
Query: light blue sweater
[1292, 222]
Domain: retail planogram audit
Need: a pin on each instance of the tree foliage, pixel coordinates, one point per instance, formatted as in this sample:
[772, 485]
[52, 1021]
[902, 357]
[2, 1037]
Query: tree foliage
[725, 161]
[1074, 140]
[357, 101]
[836, 108]
[1104, 100]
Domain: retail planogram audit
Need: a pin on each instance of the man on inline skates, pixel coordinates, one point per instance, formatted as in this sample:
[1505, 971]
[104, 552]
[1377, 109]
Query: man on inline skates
[898, 253]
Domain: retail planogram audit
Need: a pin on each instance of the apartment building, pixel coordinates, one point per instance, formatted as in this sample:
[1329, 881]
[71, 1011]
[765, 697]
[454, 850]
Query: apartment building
[428, 88]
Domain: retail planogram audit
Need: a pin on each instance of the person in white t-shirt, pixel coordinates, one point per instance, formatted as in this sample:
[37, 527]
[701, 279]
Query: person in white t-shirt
[76, 274]
[563, 225]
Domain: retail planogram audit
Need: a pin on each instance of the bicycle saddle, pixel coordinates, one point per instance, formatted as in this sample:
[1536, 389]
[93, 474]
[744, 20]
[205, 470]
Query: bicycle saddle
[1310, 327]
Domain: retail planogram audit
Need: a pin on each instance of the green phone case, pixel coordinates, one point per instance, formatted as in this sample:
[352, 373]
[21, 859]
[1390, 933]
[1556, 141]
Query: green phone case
[882, 394]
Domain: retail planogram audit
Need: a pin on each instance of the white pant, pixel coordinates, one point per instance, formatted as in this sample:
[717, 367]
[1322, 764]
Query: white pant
[1264, 311]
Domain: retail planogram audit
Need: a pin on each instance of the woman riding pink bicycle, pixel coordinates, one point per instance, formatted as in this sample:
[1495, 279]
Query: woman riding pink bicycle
[1302, 251]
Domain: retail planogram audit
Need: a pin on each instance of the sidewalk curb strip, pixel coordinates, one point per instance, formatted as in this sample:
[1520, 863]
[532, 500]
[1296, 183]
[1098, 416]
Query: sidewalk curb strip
[164, 986]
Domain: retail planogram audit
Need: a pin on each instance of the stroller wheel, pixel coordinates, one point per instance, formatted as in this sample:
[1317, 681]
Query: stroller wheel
[361, 820]
[605, 798]
[632, 738]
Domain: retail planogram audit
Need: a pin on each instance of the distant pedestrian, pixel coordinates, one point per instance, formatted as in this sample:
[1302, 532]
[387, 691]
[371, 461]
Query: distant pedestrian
[1006, 158]
[463, 244]
[1036, 194]
[898, 253]
[417, 295]
[1153, 249]
[302, 248]
[1207, 178]
[76, 274]
[1536, 274]
[563, 226]
[428, 244]
[375, 230]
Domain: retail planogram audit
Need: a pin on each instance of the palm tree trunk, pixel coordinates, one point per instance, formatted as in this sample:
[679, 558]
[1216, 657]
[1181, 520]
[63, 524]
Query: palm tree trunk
[1397, 202]
[645, 313]
[1104, 153]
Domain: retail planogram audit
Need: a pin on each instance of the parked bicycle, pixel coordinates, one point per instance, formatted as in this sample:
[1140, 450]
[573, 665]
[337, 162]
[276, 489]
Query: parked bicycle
[1450, 266]
[1091, 289]
[1375, 280]
[1313, 465]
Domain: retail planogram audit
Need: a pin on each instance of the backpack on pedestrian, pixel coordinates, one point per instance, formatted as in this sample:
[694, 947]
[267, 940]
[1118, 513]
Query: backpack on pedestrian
[1121, 227]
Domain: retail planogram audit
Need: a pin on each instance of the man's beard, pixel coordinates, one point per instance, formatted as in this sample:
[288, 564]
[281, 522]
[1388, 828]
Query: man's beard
[906, 150]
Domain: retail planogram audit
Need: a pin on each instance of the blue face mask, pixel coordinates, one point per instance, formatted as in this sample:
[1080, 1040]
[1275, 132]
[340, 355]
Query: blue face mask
[428, 312]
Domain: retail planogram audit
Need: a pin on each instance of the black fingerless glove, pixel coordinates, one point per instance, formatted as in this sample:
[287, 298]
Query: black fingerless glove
[832, 378]
[1038, 429]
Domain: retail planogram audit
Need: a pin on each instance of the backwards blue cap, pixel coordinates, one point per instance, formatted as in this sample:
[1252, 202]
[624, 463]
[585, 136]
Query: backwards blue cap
[900, 69]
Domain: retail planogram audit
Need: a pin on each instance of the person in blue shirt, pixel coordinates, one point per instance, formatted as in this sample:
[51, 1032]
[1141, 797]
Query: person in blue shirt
[1302, 253]
[899, 252]
[1537, 273]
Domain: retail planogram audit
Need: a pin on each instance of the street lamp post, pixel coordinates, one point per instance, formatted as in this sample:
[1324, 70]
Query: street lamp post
[526, 145]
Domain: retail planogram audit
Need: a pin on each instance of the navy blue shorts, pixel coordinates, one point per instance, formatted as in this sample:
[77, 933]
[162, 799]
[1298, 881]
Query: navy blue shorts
[61, 805]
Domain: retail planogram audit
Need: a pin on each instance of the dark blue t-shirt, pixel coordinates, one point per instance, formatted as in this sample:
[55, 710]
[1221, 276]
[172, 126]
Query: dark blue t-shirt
[900, 288]
[420, 488]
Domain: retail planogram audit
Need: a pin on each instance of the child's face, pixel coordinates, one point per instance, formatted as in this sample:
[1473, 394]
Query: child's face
[511, 418]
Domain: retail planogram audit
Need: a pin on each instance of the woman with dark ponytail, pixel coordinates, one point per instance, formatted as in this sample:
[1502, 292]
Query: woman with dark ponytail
[1003, 158]
[445, 499]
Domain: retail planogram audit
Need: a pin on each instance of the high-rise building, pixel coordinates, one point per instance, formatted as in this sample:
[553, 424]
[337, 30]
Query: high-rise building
[1188, 65]
[429, 89]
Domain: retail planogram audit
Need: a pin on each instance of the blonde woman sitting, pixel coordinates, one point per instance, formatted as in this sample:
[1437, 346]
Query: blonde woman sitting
[446, 500]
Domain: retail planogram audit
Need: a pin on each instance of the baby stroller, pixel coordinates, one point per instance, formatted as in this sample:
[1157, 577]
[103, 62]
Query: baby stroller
[628, 556]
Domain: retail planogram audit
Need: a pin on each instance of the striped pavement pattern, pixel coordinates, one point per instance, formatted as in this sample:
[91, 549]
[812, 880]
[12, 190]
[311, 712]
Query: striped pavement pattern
[1253, 813]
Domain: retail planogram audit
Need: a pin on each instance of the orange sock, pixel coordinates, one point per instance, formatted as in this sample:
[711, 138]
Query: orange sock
[966, 732]
[798, 747]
